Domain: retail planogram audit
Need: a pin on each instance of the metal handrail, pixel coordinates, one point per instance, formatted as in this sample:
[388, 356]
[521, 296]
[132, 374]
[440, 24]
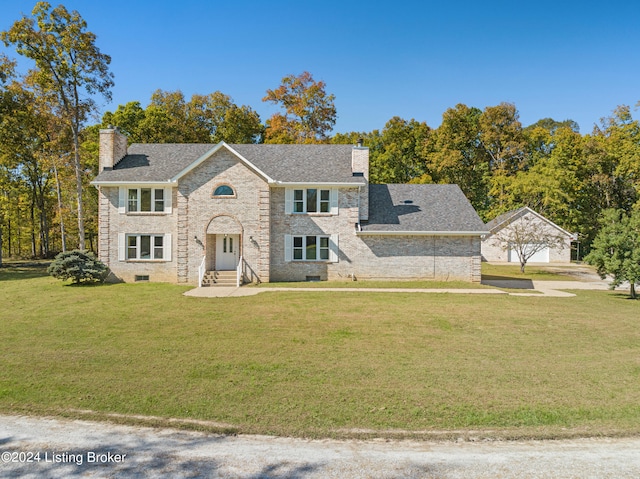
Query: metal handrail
[201, 271]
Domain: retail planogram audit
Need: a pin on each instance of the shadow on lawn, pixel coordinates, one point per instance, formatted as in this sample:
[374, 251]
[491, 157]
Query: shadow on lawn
[18, 270]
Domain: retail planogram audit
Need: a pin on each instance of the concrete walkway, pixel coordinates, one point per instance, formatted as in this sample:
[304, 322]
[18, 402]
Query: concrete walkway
[222, 292]
[528, 287]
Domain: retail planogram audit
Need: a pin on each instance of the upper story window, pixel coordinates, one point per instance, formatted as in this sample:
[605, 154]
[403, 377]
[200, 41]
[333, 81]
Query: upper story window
[145, 200]
[224, 190]
[311, 200]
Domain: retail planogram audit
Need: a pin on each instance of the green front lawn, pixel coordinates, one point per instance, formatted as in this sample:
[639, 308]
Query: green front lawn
[323, 363]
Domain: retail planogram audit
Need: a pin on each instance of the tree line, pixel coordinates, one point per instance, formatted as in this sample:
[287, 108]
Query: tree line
[49, 146]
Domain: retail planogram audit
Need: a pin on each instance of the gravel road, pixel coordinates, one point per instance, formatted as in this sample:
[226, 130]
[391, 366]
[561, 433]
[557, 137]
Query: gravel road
[60, 448]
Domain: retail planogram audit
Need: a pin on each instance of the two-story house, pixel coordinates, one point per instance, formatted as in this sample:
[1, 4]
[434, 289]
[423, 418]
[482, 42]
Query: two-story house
[174, 212]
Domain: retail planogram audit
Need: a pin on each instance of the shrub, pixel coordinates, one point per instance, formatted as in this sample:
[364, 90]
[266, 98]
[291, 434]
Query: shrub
[80, 266]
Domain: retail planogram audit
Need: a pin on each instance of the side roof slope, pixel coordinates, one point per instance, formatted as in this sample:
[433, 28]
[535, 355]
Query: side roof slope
[282, 163]
[429, 208]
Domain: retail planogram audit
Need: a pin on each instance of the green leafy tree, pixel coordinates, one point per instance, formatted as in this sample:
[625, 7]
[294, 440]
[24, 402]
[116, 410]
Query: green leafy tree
[503, 140]
[309, 112]
[454, 154]
[79, 266]
[169, 118]
[615, 251]
[70, 67]
[397, 153]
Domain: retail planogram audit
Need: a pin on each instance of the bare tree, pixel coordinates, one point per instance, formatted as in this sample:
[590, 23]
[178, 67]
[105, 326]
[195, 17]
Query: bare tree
[527, 233]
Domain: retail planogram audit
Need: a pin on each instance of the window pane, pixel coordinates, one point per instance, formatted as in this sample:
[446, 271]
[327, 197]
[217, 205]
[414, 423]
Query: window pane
[297, 247]
[159, 200]
[133, 200]
[312, 200]
[131, 247]
[145, 247]
[157, 247]
[324, 248]
[145, 199]
[298, 201]
[324, 201]
[311, 247]
[223, 190]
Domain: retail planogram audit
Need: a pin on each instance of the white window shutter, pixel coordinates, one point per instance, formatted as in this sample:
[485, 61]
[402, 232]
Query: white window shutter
[122, 200]
[166, 247]
[122, 247]
[333, 248]
[168, 200]
[288, 201]
[288, 247]
[333, 196]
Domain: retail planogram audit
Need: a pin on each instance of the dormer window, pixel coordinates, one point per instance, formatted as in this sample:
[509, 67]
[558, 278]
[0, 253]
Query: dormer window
[224, 191]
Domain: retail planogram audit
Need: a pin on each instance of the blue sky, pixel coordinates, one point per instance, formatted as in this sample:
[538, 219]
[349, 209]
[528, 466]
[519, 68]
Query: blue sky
[414, 59]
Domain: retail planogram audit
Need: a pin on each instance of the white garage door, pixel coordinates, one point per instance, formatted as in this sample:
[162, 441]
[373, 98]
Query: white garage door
[541, 256]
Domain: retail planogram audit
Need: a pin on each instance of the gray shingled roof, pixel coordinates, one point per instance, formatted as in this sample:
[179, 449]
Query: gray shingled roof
[503, 218]
[420, 208]
[286, 163]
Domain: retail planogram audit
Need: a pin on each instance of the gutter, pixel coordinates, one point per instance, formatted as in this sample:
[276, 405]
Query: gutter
[418, 233]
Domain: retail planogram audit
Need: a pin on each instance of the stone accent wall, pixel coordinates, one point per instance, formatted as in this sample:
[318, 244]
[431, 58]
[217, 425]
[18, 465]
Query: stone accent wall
[105, 235]
[246, 213]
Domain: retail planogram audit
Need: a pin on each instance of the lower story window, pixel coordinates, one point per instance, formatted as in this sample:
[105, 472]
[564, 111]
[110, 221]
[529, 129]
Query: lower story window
[145, 247]
[311, 248]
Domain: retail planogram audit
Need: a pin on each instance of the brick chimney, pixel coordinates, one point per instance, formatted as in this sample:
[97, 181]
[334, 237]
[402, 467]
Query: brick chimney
[360, 167]
[113, 147]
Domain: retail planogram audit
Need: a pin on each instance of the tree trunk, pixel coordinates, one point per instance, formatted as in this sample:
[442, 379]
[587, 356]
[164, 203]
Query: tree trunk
[632, 289]
[76, 162]
[63, 236]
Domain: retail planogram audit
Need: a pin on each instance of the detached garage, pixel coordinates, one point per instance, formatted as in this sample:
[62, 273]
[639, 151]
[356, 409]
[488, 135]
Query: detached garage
[527, 232]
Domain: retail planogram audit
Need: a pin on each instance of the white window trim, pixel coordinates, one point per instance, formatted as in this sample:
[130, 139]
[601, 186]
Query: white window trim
[289, 196]
[333, 249]
[123, 246]
[123, 200]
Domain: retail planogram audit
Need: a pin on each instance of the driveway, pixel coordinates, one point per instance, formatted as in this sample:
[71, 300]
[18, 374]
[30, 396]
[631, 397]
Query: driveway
[73, 448]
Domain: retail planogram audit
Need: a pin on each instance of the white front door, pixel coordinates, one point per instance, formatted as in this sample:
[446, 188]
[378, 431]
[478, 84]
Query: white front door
[227, 252]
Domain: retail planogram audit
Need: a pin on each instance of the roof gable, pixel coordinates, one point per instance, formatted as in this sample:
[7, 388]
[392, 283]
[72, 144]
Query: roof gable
[510, 216]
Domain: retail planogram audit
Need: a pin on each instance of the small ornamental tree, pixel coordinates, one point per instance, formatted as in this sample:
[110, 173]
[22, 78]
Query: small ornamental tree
[80, 266]
[615, 251]
[526, 235]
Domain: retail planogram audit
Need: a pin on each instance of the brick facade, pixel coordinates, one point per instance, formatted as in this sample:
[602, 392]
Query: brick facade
[256, 213]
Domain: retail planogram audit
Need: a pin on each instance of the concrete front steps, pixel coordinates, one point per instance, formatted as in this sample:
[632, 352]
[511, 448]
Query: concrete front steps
[219, 278]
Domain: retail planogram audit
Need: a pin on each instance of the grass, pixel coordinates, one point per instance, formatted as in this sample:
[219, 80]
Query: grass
[375, 284]
[492, 271]
[320, 364]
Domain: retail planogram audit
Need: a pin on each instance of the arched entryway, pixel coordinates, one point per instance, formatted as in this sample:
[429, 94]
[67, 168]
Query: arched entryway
[223, 243]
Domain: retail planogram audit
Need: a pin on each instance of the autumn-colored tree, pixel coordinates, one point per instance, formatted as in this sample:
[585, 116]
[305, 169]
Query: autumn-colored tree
[70, 66]
[309, 112]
